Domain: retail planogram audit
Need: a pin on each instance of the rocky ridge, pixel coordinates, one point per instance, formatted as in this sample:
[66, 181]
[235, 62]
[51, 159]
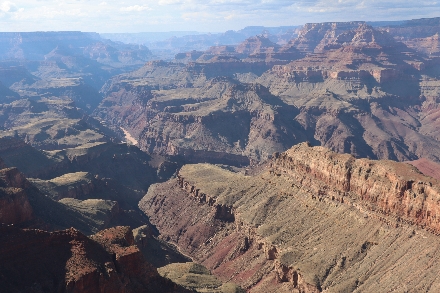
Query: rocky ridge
[350, 87]
[353, 218]
[69, 261]
[91, 187]
[14, 203]
[51, 123]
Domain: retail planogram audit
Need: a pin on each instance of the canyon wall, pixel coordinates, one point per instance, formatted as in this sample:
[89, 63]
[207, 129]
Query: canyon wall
[391, 188]
[311, 221]
[14, 203]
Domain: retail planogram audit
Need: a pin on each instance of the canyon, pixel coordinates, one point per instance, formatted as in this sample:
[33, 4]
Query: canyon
[350, 87]
[310, 220]
[292, 159]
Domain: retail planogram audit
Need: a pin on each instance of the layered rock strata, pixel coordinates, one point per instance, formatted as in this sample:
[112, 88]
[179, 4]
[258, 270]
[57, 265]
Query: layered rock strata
[386, 187]
[352, 88]
[312, 221]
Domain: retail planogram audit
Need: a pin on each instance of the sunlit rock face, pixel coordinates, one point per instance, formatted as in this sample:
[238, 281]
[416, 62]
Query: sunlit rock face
[311, 220]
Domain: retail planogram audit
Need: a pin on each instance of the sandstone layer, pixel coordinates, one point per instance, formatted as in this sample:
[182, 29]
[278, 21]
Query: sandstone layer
[312, 221]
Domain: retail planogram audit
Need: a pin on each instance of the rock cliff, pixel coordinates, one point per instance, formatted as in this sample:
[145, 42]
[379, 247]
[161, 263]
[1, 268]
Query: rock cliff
[224, 121]
[349, 87]
[311, 221]
[14, 203]
[68, 261]
[89, 201]
[385, 187]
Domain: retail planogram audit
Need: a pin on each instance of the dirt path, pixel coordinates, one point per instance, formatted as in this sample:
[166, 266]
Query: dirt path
[128, 137]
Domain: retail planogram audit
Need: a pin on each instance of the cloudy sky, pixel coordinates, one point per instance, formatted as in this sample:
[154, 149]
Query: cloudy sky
[198, 15]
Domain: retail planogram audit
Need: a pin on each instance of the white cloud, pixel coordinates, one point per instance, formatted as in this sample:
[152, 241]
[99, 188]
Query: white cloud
[8, 6]
[135, 8]
[170, 2]
[201, 15]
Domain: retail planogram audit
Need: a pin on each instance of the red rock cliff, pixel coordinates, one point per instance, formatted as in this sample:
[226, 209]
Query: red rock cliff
[311, 221]
[391, 188]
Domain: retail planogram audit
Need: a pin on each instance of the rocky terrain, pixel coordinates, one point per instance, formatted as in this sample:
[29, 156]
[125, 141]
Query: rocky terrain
[68, 201]
[427, 167]
[68, 261]
[38, 46]
[90, 187]
[311, 221]
[347, 86]
[51, 123]
[92, 130]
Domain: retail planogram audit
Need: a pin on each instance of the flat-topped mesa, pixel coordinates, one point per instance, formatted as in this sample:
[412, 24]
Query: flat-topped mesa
[312, 34]
[393, 189]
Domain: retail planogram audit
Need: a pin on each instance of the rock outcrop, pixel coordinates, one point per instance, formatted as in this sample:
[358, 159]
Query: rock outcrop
[82, 200]
[385, 187]
[114, 171]
[14, 203]
[349, 87]
[38, 261]
[311, 221]
[224, 121]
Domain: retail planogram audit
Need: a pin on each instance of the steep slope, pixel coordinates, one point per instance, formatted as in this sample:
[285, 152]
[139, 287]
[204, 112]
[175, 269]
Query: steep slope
[363, 93]
[125, 170]
[31, 203]
[15, 207]
[312, 221]
[312, 34]
[68, 261]
[351, 87]
[427, 167]
[91, 187]
[219, 120]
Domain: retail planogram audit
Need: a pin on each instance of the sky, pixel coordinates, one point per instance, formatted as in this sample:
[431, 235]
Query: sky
[133, 16]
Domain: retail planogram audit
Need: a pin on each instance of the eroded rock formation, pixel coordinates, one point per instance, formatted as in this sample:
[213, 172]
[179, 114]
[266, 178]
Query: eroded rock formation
[349, 87]
[39, 261]
[311, 221]
[14, 203]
